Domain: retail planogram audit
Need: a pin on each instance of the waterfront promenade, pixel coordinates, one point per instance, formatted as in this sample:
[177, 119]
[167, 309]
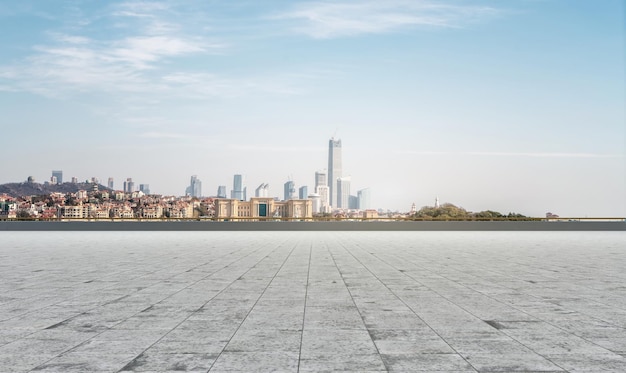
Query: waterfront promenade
[312, 301]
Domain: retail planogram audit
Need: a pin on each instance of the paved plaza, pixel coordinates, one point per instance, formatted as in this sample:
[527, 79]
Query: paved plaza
[313, 301]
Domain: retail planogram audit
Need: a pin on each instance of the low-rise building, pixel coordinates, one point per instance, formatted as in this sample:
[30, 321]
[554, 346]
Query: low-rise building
[263, 208]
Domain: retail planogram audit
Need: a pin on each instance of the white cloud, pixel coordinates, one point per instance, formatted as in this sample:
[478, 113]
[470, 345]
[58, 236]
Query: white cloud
[346, 18]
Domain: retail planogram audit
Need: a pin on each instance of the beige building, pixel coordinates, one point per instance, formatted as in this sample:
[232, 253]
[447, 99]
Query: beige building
[263, 208]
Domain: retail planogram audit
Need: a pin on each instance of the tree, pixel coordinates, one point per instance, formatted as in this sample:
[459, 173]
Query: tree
[23, 214]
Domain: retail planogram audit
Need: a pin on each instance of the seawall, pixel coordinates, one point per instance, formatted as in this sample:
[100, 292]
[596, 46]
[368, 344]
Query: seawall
[314, 226]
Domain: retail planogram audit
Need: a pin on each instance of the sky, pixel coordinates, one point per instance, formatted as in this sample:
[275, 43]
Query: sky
[513, 106]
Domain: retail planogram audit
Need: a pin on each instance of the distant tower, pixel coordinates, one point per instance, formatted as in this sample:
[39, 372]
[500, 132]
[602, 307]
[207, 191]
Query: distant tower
[303, 192]
[238, 190]
[437, 202]
[110, 183]
[195, 187]
[59, 176]
[343, 192]
[262, 191]
[320, 178]
[363, 196]
[413, 208]
[221, 191]
[334, 171]
[290, 190]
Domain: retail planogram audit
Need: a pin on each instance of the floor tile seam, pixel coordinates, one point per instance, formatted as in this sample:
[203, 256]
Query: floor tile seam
[109, 328]
[220, 292]
[490, 297]
[88, 292]
[409, 307]
[255, 303]
[306, 294]
[355, 305]
[511, 337]
[529, 273]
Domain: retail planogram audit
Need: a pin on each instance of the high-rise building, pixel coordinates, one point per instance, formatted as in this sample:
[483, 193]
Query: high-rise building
[129, 185]
[195, 187]
[322, 190]
[290, 190]
[262, 191]
[221, 191]
[59, 176]
[238, 192]
[320, 178]
[363, 197]
[110, 183]
[303, 192]
[334, 170]
[74, 180]
[144, 188]
[343, 193]
[353, 202]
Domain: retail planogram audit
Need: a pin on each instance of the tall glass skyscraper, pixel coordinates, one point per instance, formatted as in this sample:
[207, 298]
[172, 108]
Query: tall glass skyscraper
[58, 174]
[238, 191]
[195, 187]
[334, 170]
[221, 191]
[290, 190]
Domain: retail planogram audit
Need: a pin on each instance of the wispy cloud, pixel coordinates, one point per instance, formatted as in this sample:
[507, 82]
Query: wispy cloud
[512, 154]
[329, 19]
[74, 62]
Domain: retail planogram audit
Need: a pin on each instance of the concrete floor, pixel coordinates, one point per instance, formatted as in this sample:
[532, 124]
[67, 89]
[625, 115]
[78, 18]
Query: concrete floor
[313, 301]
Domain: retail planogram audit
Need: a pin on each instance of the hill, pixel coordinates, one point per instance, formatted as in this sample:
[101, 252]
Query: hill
[37, 189]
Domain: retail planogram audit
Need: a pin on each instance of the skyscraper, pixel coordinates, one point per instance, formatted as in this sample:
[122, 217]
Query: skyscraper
[334, 170]
[221, 191]
[238, 191]
[322, 190]
[129, 185]
[320, 178]
[110, 183]
[343, 192]
[363, 196]
[290, 190]
[59, 176]
[144, 188]
[262, 191]
[303, 192]
[195, 187]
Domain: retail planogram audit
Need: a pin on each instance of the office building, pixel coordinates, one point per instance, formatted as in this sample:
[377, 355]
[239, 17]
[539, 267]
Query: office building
[334, 171]
[322, 191]
[320, 178]
[195, 187]
[262, 190]
[74, 180]
[363, 197]
[59, 176]
[315, 203]
[129, 185]
[221, 191]
[238, 190]
[262, 208]
[144, 188]
[290, 190]
[110, 183]
[353, 202]
[343, 193]
[303, 192]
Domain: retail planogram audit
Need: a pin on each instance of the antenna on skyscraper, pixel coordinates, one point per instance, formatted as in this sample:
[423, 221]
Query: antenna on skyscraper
[335, 133]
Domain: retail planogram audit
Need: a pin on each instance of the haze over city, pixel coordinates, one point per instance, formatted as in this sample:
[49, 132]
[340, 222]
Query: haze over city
[510, 106]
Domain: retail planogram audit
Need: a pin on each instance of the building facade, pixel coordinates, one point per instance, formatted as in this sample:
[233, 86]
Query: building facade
[195, 187]
[262, 190]
[262, 208]
[343, 193]
[238, 191]
[334, 170]
[363, 197]
[221, 191]
[289, 190]
[303, 192]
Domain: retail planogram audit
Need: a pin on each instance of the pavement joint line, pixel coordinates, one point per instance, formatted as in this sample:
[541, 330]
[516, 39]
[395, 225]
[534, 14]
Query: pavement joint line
[355, 305]
[478, 318]
[255, 303]
[306, 295]
[113, 326]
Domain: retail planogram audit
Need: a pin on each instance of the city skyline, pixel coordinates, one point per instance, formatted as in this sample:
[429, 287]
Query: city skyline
[513, 106]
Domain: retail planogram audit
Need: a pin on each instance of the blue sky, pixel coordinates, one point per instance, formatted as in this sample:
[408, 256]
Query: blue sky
[504, 105]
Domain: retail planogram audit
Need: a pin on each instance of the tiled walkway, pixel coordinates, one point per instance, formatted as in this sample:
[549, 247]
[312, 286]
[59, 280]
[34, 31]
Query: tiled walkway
[313, 302]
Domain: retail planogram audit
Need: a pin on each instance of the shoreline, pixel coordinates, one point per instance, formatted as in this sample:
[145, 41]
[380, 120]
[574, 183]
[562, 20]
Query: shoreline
[314, 226]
